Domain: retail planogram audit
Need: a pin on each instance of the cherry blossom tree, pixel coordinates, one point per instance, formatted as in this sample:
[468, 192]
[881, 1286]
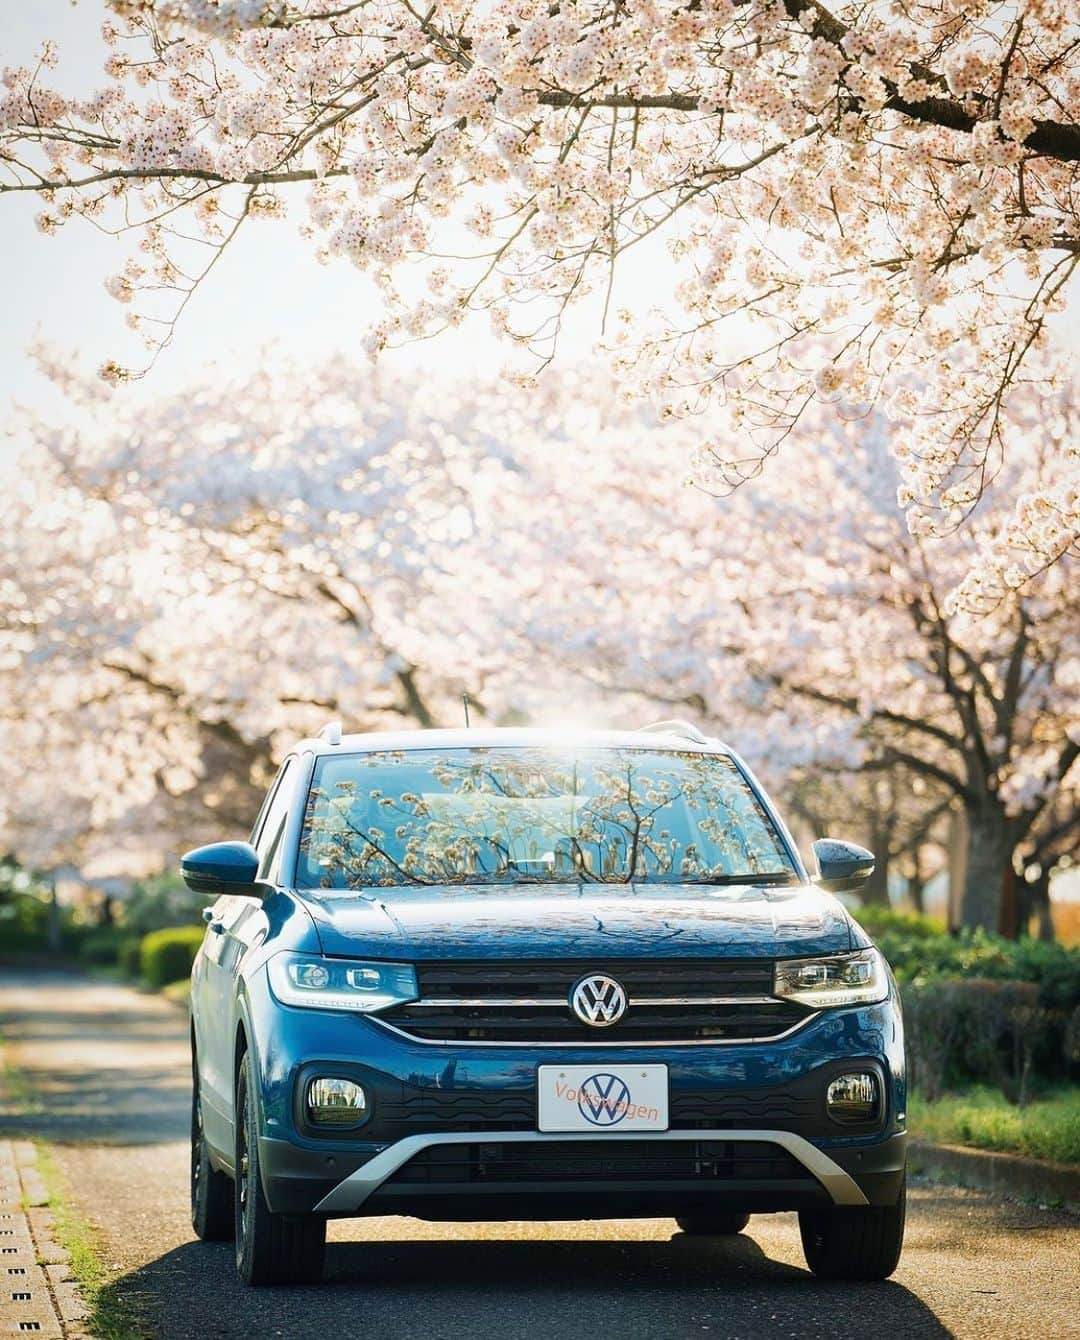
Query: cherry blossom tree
[901, 816]
[810, 624]
[186, 590]
[1049, 848]
[189, 585]
[866, 204]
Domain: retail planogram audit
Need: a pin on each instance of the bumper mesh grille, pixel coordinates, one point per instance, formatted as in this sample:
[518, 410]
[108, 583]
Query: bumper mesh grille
[421, 1111]
[625, 1161]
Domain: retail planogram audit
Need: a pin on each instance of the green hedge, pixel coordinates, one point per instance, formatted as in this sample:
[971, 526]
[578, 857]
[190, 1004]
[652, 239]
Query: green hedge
[24, 922]
[166, 956]
[985, 1031]
[129, 955]
[878, 921]
[100, 945]
[980, 1009]
[918, 956]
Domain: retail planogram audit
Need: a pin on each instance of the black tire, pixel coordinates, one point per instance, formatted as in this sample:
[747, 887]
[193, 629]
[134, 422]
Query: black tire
[211, 1191]
[270, 1248]
[716, 1225]
[854, 1244]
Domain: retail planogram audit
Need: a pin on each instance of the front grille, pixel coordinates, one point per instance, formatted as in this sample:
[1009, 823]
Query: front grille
[582, 1161]
[670, 1000]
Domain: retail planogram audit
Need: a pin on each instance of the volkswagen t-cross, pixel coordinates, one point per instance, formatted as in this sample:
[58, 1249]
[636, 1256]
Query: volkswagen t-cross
[505, 974]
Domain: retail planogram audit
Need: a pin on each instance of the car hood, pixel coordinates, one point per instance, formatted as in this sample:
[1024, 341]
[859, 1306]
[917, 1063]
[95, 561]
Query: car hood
[572, 920]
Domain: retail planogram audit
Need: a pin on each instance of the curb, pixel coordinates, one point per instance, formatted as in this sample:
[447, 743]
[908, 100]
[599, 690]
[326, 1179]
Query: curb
[1009, 1175]
[40, 1294]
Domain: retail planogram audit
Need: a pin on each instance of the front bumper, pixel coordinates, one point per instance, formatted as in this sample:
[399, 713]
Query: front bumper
[452, 1133]
[714, 1171]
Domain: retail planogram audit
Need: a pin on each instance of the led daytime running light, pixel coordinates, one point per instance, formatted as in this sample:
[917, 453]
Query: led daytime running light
[839, 979]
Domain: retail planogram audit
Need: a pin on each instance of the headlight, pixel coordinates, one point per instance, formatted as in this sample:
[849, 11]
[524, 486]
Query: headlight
[341, 984]
[840, 979]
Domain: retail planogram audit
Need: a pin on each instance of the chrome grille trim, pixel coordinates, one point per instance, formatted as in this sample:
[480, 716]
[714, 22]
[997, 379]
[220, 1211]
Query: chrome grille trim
[610, 1042]
[559, 1002]
[528, 1002]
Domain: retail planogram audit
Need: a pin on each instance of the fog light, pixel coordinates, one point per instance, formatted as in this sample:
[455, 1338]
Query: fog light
[853, 1097]
[335, 1102]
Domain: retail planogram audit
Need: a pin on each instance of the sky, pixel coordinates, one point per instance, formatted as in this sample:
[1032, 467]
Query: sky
[266, 288]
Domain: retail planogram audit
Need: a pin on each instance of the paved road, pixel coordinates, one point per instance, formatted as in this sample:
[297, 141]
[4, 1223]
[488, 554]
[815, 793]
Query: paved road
[108, 1068]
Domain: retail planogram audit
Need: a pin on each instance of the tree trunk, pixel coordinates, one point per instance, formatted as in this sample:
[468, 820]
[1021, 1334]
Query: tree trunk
[1012, 922]
[52, 934]
[875, 892]
[958, 857]
[1040, 906]
[989, 860]
[916, 888]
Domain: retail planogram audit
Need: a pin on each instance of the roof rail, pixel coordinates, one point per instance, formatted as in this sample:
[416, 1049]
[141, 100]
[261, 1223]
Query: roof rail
[331, 733]
[675, 726]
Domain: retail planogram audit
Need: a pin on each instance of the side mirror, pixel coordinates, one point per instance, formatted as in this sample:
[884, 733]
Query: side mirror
[222, 867]
[843, 866]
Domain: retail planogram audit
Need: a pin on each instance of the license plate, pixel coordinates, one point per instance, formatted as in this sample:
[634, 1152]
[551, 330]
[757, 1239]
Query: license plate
[598, 1098]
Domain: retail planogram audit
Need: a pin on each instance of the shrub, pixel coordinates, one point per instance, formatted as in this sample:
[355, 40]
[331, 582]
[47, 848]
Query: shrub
[983, 1030]
[100, 946]
[161, 902]
[877, 920]
[1072, 1039]
[24, 922]
[167, 955]
[930, 1034]
[129, 956]
[921, 958]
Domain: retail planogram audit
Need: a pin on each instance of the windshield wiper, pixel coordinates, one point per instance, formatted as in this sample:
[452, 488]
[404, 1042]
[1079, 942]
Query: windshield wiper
[770, 877]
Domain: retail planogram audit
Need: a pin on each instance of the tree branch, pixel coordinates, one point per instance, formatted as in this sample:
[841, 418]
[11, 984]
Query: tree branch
[1049, 138]
[851, 705]
[1021, 824]
[890, 756]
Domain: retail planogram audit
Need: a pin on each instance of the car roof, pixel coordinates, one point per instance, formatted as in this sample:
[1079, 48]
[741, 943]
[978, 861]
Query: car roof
[663, 736]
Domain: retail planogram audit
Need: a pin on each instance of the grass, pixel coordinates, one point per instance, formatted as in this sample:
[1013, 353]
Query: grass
[1048, 1128]
[109, 1317]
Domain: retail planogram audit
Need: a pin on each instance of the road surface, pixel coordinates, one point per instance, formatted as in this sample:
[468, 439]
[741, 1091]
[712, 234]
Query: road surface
[108, 1070]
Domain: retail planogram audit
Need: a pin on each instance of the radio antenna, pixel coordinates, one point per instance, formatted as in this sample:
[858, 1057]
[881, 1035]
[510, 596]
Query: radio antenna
[465, 703]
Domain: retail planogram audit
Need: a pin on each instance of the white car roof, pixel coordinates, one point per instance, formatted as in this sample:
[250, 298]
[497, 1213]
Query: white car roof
[665, 735]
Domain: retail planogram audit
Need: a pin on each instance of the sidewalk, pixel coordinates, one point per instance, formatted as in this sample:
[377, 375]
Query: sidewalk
[38, 1297]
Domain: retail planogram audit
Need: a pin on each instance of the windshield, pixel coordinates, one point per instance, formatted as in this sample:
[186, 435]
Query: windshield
[530, 815]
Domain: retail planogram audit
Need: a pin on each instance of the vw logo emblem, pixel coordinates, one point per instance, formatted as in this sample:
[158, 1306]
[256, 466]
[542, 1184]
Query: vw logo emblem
[604, 1099]
[598, 1000]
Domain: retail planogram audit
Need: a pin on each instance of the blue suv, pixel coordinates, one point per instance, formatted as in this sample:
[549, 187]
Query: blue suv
[510, 974]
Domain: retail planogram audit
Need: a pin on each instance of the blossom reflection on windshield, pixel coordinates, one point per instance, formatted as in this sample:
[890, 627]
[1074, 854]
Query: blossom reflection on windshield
[531, 815]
